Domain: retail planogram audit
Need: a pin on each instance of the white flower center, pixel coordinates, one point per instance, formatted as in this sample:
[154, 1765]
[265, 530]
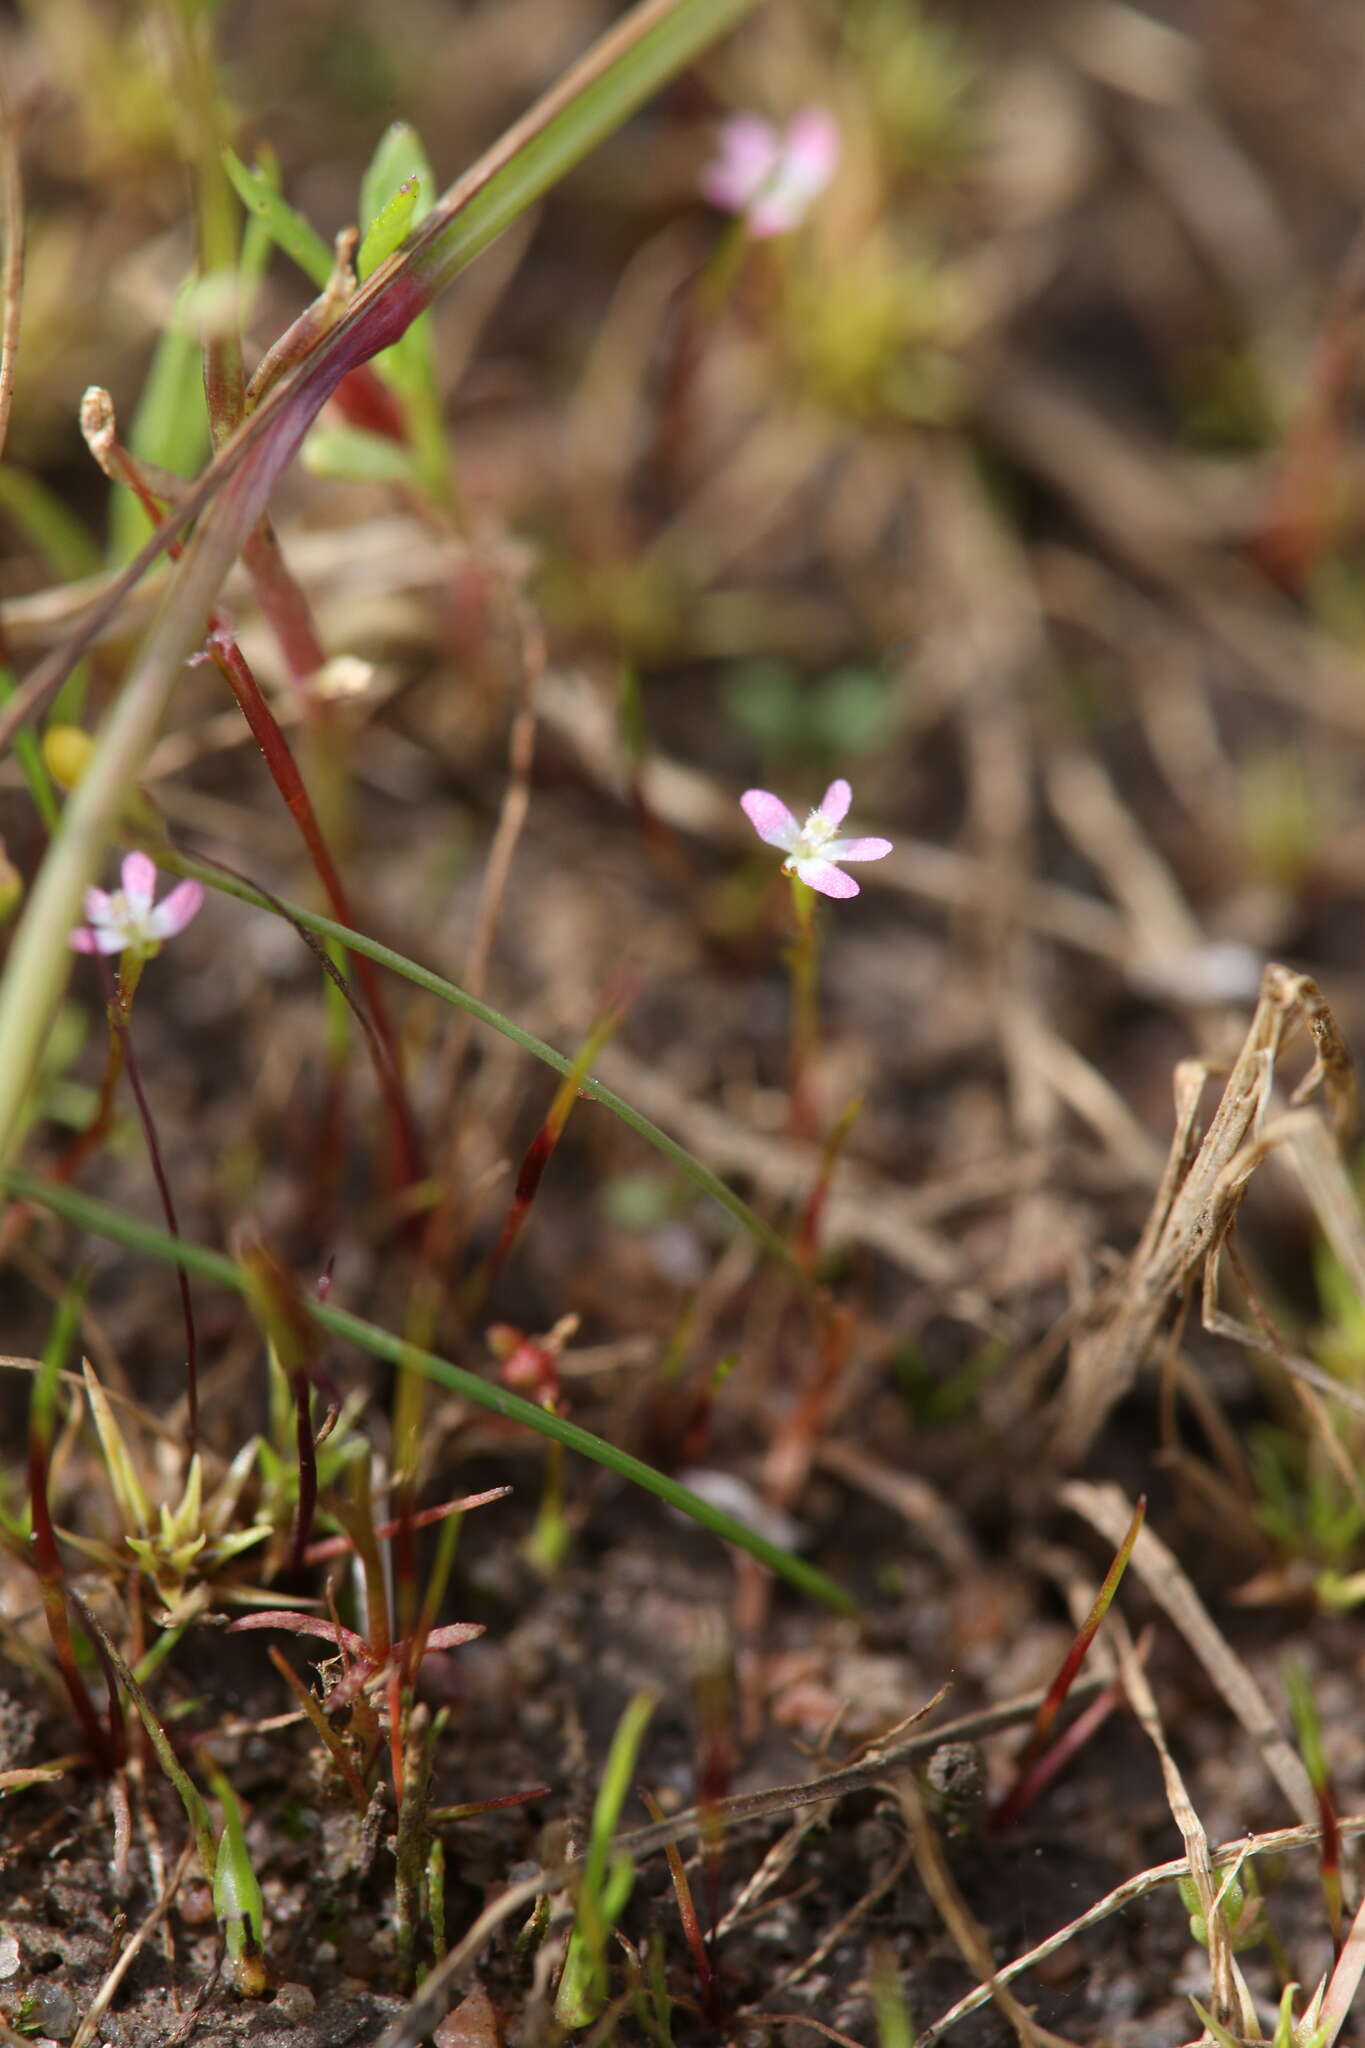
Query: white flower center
[815, 834]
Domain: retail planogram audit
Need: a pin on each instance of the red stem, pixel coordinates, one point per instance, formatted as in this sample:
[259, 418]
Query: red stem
[265, 730]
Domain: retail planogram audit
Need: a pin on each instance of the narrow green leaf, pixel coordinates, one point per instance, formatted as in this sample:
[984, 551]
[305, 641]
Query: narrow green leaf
[387, 229]
[437, 985]
[111, 1223]
[286, 227]
[354, 455]
[170, 424]
[196, 1812]
[399, 159]
[606, 1882]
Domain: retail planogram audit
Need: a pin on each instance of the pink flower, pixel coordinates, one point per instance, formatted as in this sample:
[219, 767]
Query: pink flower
[129, 919]
[767, 178]
[812, 849]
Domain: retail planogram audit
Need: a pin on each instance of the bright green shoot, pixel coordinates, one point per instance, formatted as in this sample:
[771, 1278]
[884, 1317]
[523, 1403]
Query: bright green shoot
[607, 1879]
[237, 1899]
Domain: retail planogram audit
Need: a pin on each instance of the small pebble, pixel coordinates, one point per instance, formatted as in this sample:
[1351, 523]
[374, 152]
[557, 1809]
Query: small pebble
[294, 2002]
[10, 1958]
[56, 2009]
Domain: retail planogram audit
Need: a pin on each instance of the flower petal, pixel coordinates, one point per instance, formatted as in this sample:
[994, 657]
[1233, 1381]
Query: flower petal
[824, 876]
[98, 907]
[106, 939]
[82, 940]
[835, 802]
[748, 153]
[857, 849]
[770, 818]
[139, 882]
[813, 149]
[174, 913]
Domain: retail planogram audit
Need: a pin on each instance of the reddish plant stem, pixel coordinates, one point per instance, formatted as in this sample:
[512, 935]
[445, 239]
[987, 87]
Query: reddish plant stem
[808, 1236]
[118, 1026]
[288, 611]
[46, 1562]
[308, 1470]
[1012, 1804]
[265, 730]
[707, 1991]
[287, 608]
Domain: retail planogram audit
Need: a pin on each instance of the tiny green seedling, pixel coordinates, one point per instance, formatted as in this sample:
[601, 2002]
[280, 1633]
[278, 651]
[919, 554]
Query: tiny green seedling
[237, 1899]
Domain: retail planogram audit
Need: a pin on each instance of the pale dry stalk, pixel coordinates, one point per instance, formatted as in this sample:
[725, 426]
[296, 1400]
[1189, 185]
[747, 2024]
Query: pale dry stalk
[1201, 1191]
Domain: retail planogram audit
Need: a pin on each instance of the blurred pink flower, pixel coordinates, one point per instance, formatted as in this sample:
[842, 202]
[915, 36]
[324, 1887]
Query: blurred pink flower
[767, 178]
[129, 919]
[812, 849]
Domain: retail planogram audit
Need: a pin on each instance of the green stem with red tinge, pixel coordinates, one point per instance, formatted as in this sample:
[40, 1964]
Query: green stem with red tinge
[803, 955]
[1017, 1797]
[284, 771]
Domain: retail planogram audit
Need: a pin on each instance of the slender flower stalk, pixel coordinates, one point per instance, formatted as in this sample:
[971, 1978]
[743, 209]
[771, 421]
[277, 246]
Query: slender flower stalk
[814, 852]
[132, 923]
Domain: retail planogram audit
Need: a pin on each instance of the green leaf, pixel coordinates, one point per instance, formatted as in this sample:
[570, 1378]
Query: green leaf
[388, 228]
[399, 159]
[354, 455]
[237, 1899]
[169, 427]
[607, 1880]
[286, 227]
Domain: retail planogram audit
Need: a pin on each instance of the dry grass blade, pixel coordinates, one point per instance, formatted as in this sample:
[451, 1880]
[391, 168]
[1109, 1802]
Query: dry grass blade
[957, 1916]
[871, 1770]
[1202, 1190]
[1139, 1886]
[1339, 2000]
[1106, 1509]
[1231, 2000]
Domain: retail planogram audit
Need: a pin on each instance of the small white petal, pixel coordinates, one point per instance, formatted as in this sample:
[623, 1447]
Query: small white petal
[857, 849]
[824, 876]
[770, 818]
[835, 802]
[813, 150]
[139, 883]
[748, 155]
[174, 913]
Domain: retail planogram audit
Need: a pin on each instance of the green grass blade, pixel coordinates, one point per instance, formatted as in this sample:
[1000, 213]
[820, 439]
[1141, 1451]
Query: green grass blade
[285, 226]
[437, 985]
[111, 1223]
